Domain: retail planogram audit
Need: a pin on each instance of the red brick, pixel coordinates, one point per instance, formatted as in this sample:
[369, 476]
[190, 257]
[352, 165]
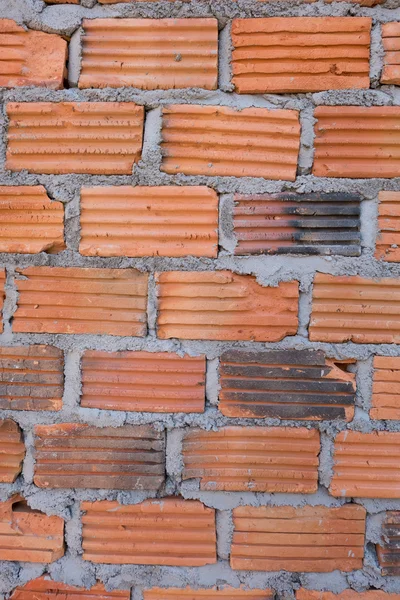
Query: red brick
[303, 594]
[313, 539]
[159, 382]
[28, 535]
[149, 53]
[73, 300]
[389, 553]
[2, 295]
[12, 451]
[217, 140]
[386, 388]
[102, 138]
[31, 57]
[388, 237]
[224, 306]
[226, 593]
[43, 588]
[391, 45]
[149, 221]
[168, 531]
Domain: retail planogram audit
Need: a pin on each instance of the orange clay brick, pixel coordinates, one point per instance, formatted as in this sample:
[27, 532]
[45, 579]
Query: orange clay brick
[225, 593]
[357, 141]
[31, 57]
[313, 539]
[364, 311]
[391, 45]
[74, 137]
[217, 140]
[12, 451]
[225, 306]
[256, 459]
[30, 221]
[143, 381]
[168, 531]
[366, 465]
[149, 221]
[388, 237]
[303, 594]
[73, 300]
[300, 54]
[386, 388]
[2, 295]
[43, 588]
[149, 53]
[28, 535]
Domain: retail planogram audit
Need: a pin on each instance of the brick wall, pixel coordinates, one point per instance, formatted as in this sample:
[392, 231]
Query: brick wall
[200, 296]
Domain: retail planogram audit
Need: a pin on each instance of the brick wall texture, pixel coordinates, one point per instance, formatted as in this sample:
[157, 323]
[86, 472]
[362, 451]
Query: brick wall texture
[200, 299]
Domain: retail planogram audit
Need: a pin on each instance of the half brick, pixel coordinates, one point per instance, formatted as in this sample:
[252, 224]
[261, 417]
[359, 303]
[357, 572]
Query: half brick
[285, 384]
[30, 221]
[391, 45]
[159, 382]
[290, 223]
[300, 54]
[2, 295]
[31, 57]
[32, 378]
[386, 388]
[389, 552]
[388, 237]
[149, 221]
[224, 306]
[43, 588]
[364, 311]
[366, 465]
[303, 594]
[149, 53]
[357, 141]
[169, 531]
[217, 140]
[12, 451]
[256, 459]
[28, 535]
[73, 300]
[74, 137]
[227, 593]
[72, 455]
[313, 539]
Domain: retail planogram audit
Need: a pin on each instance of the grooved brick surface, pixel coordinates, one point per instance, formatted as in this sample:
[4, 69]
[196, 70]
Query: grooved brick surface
[285, 384]
[72, 455]
[73, 300]
[149, 53]
[366, 465]
[149, 221]
[2, 295]
[389, 552]
[386, 388]
[388, 236]
[74, 137]
[217, 140]
[227, 593]
[364, 311]
[29, 221]
[300, 54]
[31, 57]
[168, 531]
[257, 459]
[224, 306]
[44, 588]
[314, 539]
[304, 594]
[143, 381]
[391, 45]
[12, 451]
[28, 535]
[357, 141]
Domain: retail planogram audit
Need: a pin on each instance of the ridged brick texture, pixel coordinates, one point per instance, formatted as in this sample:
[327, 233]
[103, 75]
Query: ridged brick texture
[366, 465]
[12, 451]
[227, 593]
[2, 295]
[391, 45]
[29, 221]
[258, 459]
[224, 306]
[31, 57]
[32, 378]
[386, 388]
[149, 221]
[73, 300]
[159, 382]
[28, 535]
[303, 594]
[72, 455]
[217, 140]
[364, 311]
[44, 588]
[388, 236]
[357, 141]
[150, 53]
[289, 223]
[300, 54]
[74, 137]
[168, 531]
[285, 384]
[313, 539]
[389, 552]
